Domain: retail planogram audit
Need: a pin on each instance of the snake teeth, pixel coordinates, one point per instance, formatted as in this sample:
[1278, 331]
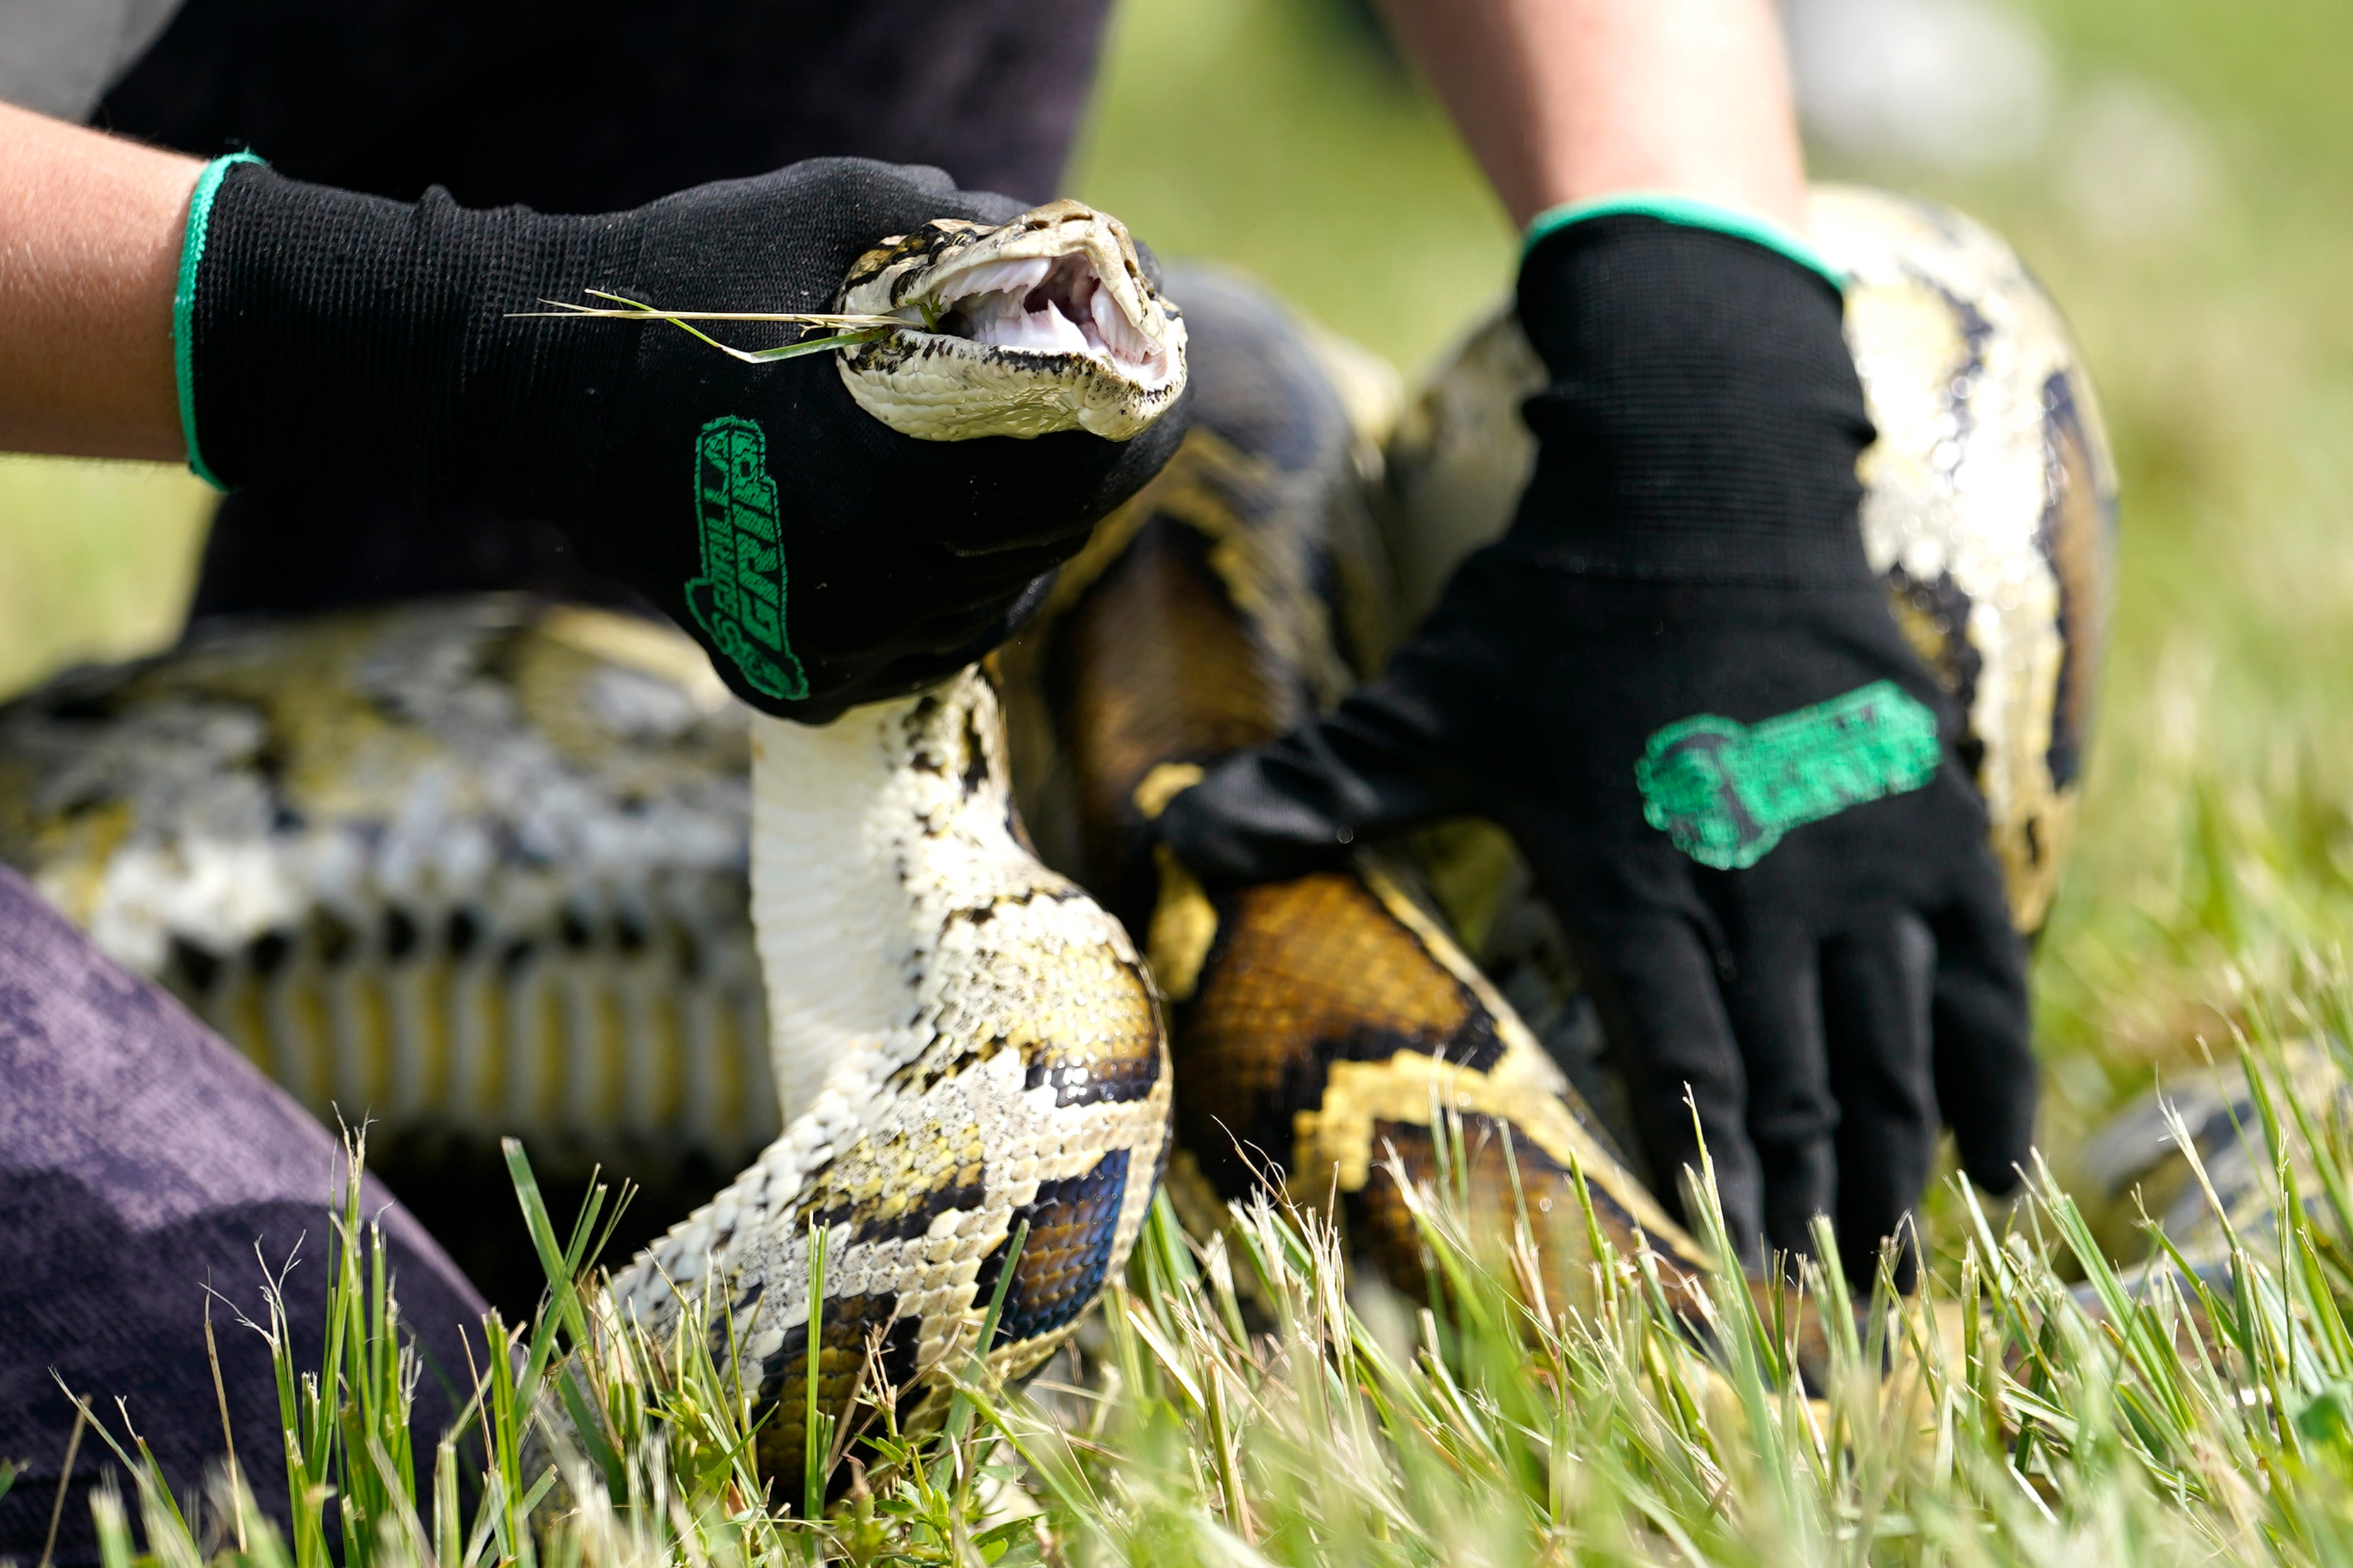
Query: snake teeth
[1045, 323]
[1055, 305]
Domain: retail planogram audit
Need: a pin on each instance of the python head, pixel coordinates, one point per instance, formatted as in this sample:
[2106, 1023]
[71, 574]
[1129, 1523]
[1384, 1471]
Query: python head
[1048, 322]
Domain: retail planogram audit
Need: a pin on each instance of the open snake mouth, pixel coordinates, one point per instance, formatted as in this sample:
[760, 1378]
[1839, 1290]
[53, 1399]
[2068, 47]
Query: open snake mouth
[1045, 323]
[1054, 305]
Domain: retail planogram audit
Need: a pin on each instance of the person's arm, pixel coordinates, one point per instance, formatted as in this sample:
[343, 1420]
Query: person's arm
[1565, 100]
[91, 229]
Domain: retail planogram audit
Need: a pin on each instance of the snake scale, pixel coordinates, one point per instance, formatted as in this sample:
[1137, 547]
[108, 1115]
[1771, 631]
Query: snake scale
[486, 865]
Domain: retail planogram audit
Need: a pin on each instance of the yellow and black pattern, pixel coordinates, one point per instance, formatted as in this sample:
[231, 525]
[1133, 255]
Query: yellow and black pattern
[1337, 1036]
[1302, 976]
[942, 370]
[970, 1054]
[865, 1347]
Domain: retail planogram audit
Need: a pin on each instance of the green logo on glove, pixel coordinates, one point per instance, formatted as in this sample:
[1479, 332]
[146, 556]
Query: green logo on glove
[739, 599]
[1725, 792]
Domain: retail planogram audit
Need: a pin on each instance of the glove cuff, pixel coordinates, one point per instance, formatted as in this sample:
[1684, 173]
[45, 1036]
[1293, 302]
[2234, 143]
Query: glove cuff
[1691, 213]
[1704, 416]
[326, 334]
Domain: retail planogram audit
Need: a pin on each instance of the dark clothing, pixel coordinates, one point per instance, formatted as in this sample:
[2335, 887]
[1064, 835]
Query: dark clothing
[143, 1161]
[573, 107]
[584, 106]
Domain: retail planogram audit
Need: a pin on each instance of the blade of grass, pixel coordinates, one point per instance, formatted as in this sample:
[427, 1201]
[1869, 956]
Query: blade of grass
[872, 327]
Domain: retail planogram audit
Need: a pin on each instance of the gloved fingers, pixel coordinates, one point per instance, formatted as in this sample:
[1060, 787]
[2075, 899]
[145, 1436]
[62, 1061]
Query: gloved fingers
[995, 493]
[951, 642]
[1285, 810]
[984, 206]
[931, 179]
[1654, 981]
[1875, 989]
[833, 630]
[942, 587]
[943, 644]
[1297, 805]
[892, 198]
[1044, 492]
[1985, 1075]
[971, 499]
[1772, 995]
[1027, 553]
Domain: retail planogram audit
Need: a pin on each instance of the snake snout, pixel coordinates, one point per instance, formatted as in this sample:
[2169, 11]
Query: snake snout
[1050, 322]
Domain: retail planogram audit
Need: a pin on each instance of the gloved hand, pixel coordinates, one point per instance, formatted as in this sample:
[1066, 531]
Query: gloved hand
[326, 335]
[1676, 681]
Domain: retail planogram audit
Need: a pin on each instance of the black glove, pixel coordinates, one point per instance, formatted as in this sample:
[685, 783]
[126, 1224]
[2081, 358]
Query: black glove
[339, 336]
[1676, 681]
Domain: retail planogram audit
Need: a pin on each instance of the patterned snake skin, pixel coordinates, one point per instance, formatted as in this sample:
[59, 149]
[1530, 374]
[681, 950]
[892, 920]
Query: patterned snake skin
[485, 865]
[969, 1054]
[467, 869]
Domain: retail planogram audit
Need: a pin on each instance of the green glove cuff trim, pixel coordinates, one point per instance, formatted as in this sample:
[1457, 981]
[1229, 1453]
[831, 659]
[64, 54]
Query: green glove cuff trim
[1725, 792]
[1692, 213]
[739, 600]
[184, 301]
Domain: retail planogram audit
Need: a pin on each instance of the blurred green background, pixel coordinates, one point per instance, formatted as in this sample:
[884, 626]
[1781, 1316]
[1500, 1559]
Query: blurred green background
[2179, 171]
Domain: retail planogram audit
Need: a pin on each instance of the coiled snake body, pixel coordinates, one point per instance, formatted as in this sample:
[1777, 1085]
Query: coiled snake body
[481, 867]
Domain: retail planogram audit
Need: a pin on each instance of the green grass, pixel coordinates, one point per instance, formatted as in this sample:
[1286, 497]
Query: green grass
[96, 561]
[1245, 1403]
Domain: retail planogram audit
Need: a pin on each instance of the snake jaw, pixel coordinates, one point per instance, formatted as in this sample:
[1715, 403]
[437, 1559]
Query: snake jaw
[1045, 323]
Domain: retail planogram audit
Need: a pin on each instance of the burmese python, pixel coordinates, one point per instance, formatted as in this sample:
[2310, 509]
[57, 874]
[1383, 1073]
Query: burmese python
[511, 836]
